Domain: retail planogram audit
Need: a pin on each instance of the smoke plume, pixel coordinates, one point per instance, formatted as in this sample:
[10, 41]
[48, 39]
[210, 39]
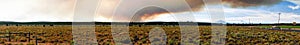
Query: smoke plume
[63, 9]
[148, 13]
[249, 3]
[197, 5]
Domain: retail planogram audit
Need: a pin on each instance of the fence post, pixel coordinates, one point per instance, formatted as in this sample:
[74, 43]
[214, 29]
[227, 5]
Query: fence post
[29, 36]
[36, 40]
[9, 35]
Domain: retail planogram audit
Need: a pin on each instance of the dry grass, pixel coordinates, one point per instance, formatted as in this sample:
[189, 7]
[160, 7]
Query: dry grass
[139, 35]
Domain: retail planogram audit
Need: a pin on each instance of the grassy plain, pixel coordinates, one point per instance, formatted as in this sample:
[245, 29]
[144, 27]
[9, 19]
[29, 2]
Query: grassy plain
[239, 35]
[280, 26]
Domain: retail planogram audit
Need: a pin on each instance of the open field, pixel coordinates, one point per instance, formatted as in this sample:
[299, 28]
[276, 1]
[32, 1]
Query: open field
[280, 26]
[55, 35]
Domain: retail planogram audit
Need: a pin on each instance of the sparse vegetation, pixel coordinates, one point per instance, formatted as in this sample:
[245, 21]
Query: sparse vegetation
[237, 35]
[281, 26]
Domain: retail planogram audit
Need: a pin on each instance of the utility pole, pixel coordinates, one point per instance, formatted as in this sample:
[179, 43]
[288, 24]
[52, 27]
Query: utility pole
[295, 19]
[249, 21]
[278, 17]
[294, 22]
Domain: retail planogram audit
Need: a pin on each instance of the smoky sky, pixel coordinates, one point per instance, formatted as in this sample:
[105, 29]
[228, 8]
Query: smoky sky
[198, 5]
[148, 12]
[249, 3]
[64, 9]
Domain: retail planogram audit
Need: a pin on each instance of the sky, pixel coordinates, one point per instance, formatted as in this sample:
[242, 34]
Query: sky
[63, 10]
[260, 14]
